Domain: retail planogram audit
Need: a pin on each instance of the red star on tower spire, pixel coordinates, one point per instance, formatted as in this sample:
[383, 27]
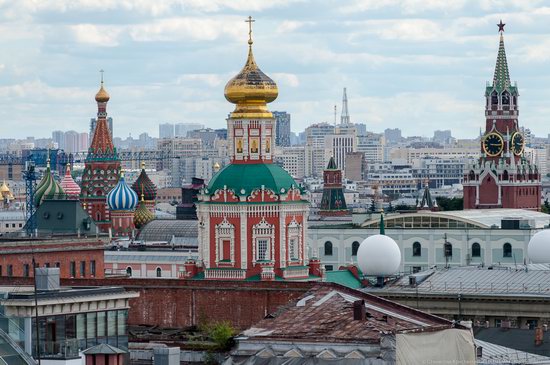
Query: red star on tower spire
[501, 26]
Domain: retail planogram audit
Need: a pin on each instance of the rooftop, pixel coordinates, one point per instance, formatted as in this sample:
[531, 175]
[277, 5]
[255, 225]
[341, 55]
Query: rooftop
[532, 279]
[164, 230]
[326, 313]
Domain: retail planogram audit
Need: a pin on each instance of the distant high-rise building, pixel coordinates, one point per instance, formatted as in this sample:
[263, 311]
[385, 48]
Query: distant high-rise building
[355, 166]
[71, 142]
[442, 136]
[315, 148]
[83, 141]
[282, 129]
[207, 136]
[181, 129]
[392, 135]
[166, 130]
[372, 145]
[338, 146]
[59, 138]
[93, 122]
[361, 129]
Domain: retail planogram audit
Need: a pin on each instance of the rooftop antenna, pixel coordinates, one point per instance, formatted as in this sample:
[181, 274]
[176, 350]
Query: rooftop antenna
[335, 107]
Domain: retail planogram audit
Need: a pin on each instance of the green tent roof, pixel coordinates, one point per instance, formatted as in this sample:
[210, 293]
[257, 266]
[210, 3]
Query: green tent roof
[343, 277]
[244, 178]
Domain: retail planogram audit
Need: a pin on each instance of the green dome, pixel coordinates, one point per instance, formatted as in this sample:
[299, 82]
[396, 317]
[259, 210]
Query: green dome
[48, 188]
[244, 178]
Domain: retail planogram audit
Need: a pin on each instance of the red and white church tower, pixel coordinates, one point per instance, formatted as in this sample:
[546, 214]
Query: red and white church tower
[503, 177]
[253, 215]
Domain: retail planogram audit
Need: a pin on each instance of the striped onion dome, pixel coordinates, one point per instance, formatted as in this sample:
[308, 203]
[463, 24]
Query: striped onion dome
[142, 215]
[48, 188]
[144, 185]
[122, 197]
[69, 186]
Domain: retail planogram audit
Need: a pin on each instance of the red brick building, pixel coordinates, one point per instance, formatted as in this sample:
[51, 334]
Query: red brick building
[75, 257]
[503, 177]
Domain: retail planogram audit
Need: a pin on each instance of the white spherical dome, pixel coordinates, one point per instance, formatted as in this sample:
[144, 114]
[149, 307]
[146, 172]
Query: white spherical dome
[379, 255]
[539, 247]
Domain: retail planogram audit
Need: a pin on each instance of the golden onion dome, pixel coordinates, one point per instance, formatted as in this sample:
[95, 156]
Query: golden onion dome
[251, 89]
[102, 95]
[4, 188]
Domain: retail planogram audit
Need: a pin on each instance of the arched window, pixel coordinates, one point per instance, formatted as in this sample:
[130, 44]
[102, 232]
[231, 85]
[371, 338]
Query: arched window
[505, 175]
[506, 98]
[494, 98]
[129, 271]
[417, 249]
[328, 248]
[476, 250]
[159, 272]
[507, 250]
[471, 176]
[354, 248]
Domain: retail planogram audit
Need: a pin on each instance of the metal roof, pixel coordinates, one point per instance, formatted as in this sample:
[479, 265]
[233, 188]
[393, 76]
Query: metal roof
[496, 354]
[523, 279]
[163, 230]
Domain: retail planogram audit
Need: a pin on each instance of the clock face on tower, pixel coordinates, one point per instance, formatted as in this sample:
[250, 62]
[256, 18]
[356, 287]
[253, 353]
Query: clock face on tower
[517, 143]
[493, 144]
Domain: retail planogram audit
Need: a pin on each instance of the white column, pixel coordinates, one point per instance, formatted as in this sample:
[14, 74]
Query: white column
[244, 237]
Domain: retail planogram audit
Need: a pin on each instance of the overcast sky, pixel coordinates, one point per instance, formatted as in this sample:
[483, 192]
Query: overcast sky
[418, 65]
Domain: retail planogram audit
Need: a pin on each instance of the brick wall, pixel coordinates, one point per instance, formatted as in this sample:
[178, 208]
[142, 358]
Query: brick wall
[184, 303]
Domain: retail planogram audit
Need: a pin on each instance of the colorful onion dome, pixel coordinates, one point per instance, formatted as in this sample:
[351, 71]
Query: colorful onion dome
[122, 197]
[144, 185]
[69, 186]
[142, 215]
[48, 188]
[251, 89]
[102, 95]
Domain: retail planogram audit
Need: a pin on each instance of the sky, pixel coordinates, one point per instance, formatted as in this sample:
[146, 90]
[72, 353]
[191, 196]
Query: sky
[418, 65]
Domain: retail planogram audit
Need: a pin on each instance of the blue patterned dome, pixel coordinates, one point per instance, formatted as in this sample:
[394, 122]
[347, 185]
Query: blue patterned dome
[122, 197]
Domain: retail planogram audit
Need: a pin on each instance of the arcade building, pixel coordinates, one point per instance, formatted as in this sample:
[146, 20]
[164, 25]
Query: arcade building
[252, 215]
[503, 177]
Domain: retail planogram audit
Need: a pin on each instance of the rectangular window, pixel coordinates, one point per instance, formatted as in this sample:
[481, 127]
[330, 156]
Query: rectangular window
[122, 322]
[81, 326]
[111, 323]
[73, 269]
[1, 273]
[10, 271]
[101, 319]
[70, 326]
[26, 270]
[91, 321]
[226, 246]
[293, 248]
[47, 264]
[92, 267]
[329, 267]
[82, 269]
[262, 249]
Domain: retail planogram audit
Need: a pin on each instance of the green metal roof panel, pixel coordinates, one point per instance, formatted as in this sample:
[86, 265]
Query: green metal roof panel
[343, 277]
[244, 178]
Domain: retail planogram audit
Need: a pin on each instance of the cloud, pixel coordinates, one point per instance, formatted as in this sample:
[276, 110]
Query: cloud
[212, 80]
[103, 36]
[405, 6]
[538, 52]
[287, 79]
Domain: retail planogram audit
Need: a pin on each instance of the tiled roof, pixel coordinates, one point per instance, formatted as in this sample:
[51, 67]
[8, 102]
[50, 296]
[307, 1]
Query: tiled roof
[325, 313]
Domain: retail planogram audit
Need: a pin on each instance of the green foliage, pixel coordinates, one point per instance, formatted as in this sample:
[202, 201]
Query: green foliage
[450, 203]
[222, 334]
[545, 207]
[372, 207]
[390, 209]
[401, 207]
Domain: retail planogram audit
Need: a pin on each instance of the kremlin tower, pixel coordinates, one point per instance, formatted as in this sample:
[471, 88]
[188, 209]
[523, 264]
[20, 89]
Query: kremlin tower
[122, 201]
[145, 188]
[503, 177]
[333, 202]
[102, 167]
[252, 215]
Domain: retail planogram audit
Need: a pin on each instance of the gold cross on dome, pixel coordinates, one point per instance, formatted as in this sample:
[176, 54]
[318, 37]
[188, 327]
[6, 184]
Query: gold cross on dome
[101, 71]
[249, 21]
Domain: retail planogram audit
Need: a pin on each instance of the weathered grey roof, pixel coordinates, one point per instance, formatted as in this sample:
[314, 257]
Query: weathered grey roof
[496, 354]
[523, 279]
[163, 230]
[149, 256]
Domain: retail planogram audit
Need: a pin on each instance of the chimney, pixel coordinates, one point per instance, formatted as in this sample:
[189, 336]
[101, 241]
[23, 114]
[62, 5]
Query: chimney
[539, 336]
[479, 351]
[359, 310]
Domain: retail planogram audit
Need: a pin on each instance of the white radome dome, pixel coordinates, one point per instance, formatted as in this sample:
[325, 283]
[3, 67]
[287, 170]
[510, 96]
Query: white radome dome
[379, 255]
[539, 247]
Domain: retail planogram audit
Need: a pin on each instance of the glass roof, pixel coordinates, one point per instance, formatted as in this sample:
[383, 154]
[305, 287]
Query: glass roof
[11, 354]
[163, 230]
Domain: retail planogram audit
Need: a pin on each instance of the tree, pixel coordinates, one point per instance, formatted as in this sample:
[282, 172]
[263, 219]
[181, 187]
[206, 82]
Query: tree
[545, 207]
[372, 207]
[402, 207]
[390, 208]
[450, 203]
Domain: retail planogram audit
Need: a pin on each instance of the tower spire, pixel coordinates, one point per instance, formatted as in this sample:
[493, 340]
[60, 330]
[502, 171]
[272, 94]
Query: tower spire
[501, 78]
[344, 119]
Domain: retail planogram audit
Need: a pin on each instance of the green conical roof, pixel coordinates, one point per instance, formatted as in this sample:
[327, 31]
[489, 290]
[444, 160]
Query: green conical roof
[332, 164]
[48, 188]
[501, 79]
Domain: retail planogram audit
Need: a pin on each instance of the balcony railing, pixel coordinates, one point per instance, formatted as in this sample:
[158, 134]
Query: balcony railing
[235, 274]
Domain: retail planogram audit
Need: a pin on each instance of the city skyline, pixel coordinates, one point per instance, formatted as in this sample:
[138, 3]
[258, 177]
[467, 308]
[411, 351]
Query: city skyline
[409, 65]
